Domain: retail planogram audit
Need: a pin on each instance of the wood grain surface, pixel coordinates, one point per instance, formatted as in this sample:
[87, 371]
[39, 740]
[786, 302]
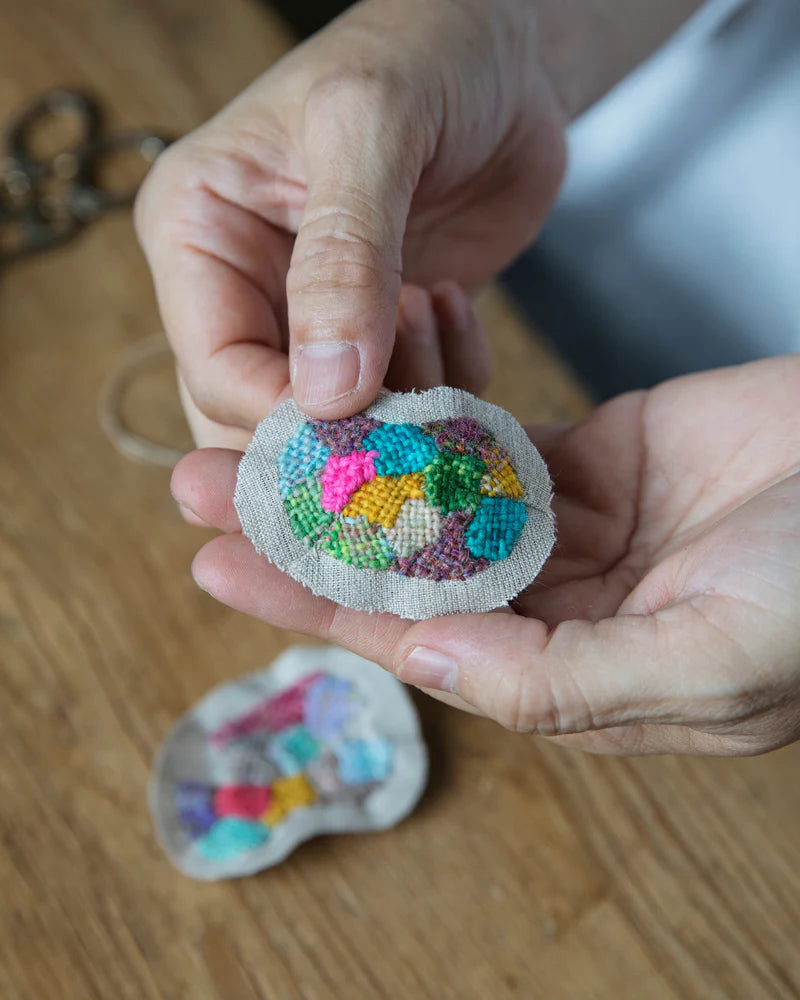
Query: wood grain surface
[526, 872]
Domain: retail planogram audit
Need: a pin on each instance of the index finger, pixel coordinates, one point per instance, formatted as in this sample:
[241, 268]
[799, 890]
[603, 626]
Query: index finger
[219, 272]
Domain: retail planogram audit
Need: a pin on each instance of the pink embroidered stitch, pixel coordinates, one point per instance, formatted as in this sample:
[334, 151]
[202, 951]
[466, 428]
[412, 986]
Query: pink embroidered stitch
[244, 801]
[282, 710]
[343, 475]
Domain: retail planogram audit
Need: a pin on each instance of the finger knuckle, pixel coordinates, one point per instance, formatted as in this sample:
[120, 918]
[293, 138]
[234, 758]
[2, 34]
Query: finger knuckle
[372, 107]
[335, 276]
[164, 177]
[362, 89]
[205, 398]
[342, 248]
[143, 202]
[548, 706]
[348, 222]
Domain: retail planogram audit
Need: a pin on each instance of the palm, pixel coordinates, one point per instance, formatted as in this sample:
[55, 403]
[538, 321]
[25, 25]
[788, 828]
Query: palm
[684, 499]
[678, 534]
[651, 484]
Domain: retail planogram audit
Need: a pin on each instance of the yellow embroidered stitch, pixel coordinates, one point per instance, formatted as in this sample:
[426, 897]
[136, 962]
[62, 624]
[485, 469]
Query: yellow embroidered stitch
[380, 499]
[288, 794]
[502, 481]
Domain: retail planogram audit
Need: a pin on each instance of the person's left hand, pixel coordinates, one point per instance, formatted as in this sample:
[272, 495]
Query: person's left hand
[668, 617]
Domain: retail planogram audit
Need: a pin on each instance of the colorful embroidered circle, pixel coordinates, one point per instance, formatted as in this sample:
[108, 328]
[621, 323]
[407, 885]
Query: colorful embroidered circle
[426, 504]
[289, 751]
[439, 500]
[322, 741]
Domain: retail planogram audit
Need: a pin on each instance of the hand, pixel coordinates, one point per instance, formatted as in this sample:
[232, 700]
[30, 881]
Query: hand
[668, 617]
[408, 138]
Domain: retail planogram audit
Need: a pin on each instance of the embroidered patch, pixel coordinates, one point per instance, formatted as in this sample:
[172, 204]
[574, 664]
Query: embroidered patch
[426, 504]
[322, 741]
[342, 475]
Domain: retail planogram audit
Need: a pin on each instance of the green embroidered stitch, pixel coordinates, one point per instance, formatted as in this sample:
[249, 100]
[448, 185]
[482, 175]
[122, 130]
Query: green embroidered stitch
[304, 508]
[358, 543]
[453, 482]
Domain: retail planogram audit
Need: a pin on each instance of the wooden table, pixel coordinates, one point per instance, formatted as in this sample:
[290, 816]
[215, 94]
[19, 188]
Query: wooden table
[526, 872]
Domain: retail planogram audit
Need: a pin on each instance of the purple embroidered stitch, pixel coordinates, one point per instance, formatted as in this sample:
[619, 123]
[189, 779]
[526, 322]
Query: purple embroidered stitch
[460, 435]
[448, 557]
[344, 436]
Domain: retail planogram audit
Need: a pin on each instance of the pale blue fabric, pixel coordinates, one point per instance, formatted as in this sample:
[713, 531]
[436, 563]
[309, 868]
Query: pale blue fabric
[675, 245]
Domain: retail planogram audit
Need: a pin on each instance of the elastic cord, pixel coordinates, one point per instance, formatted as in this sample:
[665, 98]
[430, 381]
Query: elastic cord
[112, 394]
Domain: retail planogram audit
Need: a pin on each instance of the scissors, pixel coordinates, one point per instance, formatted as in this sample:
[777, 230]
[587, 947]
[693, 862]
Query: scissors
[46, 200]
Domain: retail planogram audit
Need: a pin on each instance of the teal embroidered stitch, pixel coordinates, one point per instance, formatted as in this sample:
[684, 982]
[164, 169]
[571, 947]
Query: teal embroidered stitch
[229, 836]
[294, 749]
[400, 448]
[494, 530]
[363, 761]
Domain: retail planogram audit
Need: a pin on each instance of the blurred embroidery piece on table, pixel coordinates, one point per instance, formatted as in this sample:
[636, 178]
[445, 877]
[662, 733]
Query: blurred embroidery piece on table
[426, 504]
[321, 742]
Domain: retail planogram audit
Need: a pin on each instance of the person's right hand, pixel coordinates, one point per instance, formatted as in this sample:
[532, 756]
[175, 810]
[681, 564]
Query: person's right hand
[411, 141]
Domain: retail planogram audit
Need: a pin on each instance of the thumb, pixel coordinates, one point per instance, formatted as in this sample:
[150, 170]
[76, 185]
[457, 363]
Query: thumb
[344, 280]
[667, 667]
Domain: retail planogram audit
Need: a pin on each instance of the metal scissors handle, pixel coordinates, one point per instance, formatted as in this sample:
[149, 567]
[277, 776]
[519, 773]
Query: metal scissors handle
[47, 199]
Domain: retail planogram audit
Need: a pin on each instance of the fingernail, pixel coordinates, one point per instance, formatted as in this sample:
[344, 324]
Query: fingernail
[428, 668]
[325, 371]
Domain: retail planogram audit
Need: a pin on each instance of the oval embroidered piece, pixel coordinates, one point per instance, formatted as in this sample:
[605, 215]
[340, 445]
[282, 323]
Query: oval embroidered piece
[322, 741]
[425, 504]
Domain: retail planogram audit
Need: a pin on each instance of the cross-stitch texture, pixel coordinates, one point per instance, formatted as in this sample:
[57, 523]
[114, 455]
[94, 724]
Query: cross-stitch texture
[426, 504]
[323, 741]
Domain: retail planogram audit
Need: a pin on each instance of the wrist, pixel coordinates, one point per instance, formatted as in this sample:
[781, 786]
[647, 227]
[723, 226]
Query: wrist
[585, 47]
